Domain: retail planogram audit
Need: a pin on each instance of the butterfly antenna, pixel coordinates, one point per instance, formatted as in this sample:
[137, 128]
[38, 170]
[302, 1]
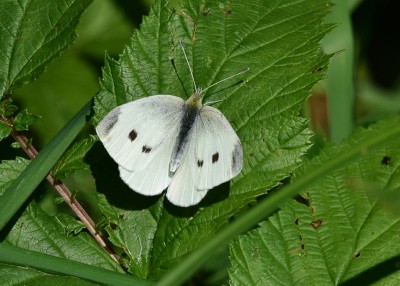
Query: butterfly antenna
[187, 61]
[229, 77]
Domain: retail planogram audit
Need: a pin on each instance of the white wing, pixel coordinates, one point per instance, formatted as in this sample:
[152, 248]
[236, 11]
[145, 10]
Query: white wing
[140, 137]
[181, 191]
[155, 177]
[218, 154]
[214, 155]
[136, 132]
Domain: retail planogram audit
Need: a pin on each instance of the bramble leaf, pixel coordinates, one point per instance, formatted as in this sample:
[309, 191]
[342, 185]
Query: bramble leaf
[341, 232]
[280, 43]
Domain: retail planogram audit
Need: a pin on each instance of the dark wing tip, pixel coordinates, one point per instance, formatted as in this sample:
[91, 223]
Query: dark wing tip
[106, 125]
[237, 158]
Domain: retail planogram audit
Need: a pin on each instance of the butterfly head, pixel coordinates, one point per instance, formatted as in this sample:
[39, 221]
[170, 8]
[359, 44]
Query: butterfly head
[196, 99]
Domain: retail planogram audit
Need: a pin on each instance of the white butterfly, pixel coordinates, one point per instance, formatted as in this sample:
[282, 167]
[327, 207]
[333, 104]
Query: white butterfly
[163, 141]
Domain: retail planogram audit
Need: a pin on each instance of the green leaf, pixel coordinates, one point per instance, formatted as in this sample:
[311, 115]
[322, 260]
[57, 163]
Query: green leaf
[133, 232]
[24, 119]
[71, 226]
[270, 204]
[15, 145]
[280, 43]
[71, 80]
[37, 231]
[22, 187]
[5, 130]
[13, 275]
[33, 34]
[40, 242]
[9, 171]
[339, 232]
[7, 108]
[26, 258]
[72, 161]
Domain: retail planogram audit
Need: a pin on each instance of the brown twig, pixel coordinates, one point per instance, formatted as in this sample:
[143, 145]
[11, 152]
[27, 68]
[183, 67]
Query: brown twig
[64, 192]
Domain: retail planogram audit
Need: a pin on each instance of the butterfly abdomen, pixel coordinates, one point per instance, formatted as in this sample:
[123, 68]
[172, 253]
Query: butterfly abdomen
[191, 112]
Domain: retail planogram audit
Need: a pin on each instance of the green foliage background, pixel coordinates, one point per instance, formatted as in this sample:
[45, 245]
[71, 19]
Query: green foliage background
[342, 228]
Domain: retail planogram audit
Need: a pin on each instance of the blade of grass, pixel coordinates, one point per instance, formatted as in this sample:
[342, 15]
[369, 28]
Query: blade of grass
[340, 81]
[18, 256]
[14, 197]
[266, 207]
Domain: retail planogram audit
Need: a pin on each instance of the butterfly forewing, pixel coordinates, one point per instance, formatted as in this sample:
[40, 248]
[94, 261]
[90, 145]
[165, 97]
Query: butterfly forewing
[217, 150]
[213, 155]
[134, 133]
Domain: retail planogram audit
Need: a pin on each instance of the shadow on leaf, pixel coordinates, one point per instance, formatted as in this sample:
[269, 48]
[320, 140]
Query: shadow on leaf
[375, 273]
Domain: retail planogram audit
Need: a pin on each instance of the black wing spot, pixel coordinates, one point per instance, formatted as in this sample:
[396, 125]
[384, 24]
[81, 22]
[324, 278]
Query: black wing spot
[200, 163]
[132, 135]
[146, 149]
[215, 157]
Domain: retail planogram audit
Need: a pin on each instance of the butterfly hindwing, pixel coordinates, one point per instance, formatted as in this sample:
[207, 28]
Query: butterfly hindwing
[181, 191]
[155, 177]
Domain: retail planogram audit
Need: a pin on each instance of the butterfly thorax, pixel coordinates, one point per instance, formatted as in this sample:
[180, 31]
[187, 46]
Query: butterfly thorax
[191, 110]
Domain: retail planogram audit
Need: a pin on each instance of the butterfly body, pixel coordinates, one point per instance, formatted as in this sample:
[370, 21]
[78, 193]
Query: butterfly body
[163, 142]
[191, 110]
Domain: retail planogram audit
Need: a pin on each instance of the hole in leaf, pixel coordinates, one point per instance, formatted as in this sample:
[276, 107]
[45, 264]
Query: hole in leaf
[316, 223]
[386, 160]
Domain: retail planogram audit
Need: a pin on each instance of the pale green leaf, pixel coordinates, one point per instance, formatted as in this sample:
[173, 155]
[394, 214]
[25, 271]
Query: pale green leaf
[279, 42]
[340, 231]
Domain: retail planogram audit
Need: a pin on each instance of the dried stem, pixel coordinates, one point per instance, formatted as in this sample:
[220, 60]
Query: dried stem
[66, 195]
